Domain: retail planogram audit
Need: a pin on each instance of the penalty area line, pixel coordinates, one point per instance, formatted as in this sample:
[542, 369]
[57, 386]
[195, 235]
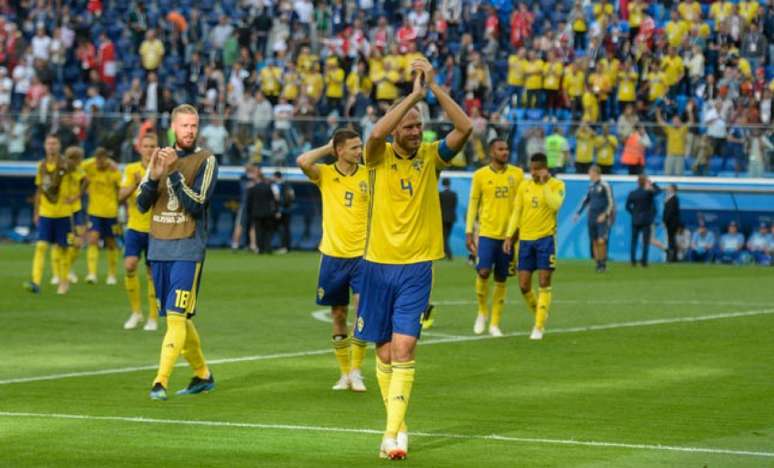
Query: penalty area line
[434, 435]
[440, 340]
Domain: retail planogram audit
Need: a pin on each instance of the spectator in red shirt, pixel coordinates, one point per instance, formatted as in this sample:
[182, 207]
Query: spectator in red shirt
[406, 34]
[521, 25]
[106, 62]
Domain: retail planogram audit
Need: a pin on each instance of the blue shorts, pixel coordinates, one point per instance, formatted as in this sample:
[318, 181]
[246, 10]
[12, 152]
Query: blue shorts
[135, 243]
[177, 285]
[107, 228]
[491, 256]
[54, 230]
[393, 300]
[337, 276]
[598, 231]
[79, 218]
[537, 254]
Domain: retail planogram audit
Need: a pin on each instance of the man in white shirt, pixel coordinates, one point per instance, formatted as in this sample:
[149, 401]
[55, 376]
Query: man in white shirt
[41, 44]
[221, 32]
[215, 137]
[419, 18]
[715, 122]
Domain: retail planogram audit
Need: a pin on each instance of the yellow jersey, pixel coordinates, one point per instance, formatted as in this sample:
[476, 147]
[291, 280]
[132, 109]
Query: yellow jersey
[574, 82]
[46, 179]
[75, 180]
[552, 75]
[356, 83]
[533, 71]
[271, 78]
[102, 190]
[344, 211]
[314, 84]
[627, 87]
[676, 32]
[137, 221]
[749, 10]
[658, 86]
[404, 217]
[334, 82]
[606, 146]
[689, 11]
[491, 199]
[305, 62]
[291, 85]
[535, 209]
[720, 10]
[676, 137]
[610, 68]
[673, 69]
[590, 107]
[584, 145]
[635, 14]
[386, 86]
[516, 70]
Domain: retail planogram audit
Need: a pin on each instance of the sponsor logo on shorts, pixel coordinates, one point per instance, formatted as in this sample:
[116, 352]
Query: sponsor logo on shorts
[360, 324]
[320, 293]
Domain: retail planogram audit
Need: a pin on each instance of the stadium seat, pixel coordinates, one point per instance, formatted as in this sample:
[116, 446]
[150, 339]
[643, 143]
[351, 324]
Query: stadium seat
[654, 163]
[770, 72]
[6, 221]
[682, 100]
[716, 164]
[534, 114]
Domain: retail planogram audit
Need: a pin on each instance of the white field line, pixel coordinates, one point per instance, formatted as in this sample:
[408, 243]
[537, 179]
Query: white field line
[452, 339]
[618, 302]
[435, 435]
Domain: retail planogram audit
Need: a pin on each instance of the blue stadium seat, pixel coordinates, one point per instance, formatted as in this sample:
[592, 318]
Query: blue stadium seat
[770, 72]
[534, 114]
[682, 100]
[24, 217]
[716, 164]
[654, 163]
[6, 222]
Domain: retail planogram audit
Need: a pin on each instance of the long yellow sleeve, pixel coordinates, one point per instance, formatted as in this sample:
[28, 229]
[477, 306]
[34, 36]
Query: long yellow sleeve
[475, 199]
[515, 219]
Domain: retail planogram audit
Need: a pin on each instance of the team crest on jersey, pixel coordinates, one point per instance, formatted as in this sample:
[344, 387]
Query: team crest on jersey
[320, 293]
[394, 167]
[418, 164]
[360, 324]
[363, 187]
[511, 181]
[173, 204]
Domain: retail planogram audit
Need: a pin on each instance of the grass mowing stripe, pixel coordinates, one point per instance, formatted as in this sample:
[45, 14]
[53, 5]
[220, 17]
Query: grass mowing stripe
[436, 435]
[452, 339]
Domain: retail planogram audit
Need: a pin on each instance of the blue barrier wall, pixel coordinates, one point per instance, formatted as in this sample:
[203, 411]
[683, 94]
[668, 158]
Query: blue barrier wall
[717, 209]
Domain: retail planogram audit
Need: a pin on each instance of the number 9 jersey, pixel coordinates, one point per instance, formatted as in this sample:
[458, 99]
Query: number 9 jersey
[405, 214]
[344, 211]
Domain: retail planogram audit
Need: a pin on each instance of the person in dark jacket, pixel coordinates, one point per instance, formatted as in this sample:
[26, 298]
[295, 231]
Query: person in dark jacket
[262, 209]
[641, 205]
[285, 196]
[671, 218]
[448, 214]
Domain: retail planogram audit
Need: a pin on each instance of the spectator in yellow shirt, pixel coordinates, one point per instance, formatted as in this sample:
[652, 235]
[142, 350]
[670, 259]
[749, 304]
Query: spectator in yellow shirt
[358, 80]
[291, 83]
[720, 10]
[690, 10]
[657, 87]
[749, 10]
[516, 64]
[627, 85]
[552, 78]
[533, 81]
[387, 86]
[676, 135]
[271, 81]
[151, 51]
[600, 86]
[606, 146]
[305, 60]
[584, 148]
[603, 11]
[579, 26]
[334, 86]
[574, 84]
[676, 30]
[674, 71]
[635, 8]
[314, 83]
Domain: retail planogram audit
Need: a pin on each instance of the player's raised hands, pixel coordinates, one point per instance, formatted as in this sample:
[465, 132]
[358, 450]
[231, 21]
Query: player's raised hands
[169, 158]
[421, 64]
[156, 165]
[419, 90]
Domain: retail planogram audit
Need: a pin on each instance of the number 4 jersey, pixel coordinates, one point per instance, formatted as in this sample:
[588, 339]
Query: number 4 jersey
[344, 211]
[491, 199]
[405, 213]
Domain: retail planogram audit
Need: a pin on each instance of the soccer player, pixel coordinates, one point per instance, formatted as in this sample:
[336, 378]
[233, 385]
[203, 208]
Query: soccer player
[404, 238]
[103, 181]
[74, 159]
[52, 216]
[599, 200]
[344, 189]
[491, 201]
[136, 237]
[176, 191]
[534, 216]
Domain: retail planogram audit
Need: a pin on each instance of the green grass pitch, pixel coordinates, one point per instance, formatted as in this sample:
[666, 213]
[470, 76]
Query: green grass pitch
[665, 366]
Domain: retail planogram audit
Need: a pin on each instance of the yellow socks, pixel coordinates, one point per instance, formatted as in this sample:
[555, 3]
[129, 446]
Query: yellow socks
[61, 262]
[192, 352]
[400, 391]
[92, 257]
[39, 262]
[112, 260]
[153, 306]
[341, 349]
[498, 302]
[132, 284]
[384, 378]
[171, 347]
[543, 305]
[531, 300]
[357, 353]
[73, 252]
[482, 293]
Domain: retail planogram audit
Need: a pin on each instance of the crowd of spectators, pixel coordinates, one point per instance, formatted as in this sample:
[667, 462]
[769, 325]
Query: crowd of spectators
[631, 85]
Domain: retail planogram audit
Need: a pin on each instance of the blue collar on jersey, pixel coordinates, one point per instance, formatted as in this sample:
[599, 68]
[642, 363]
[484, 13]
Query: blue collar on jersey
[181, 152]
